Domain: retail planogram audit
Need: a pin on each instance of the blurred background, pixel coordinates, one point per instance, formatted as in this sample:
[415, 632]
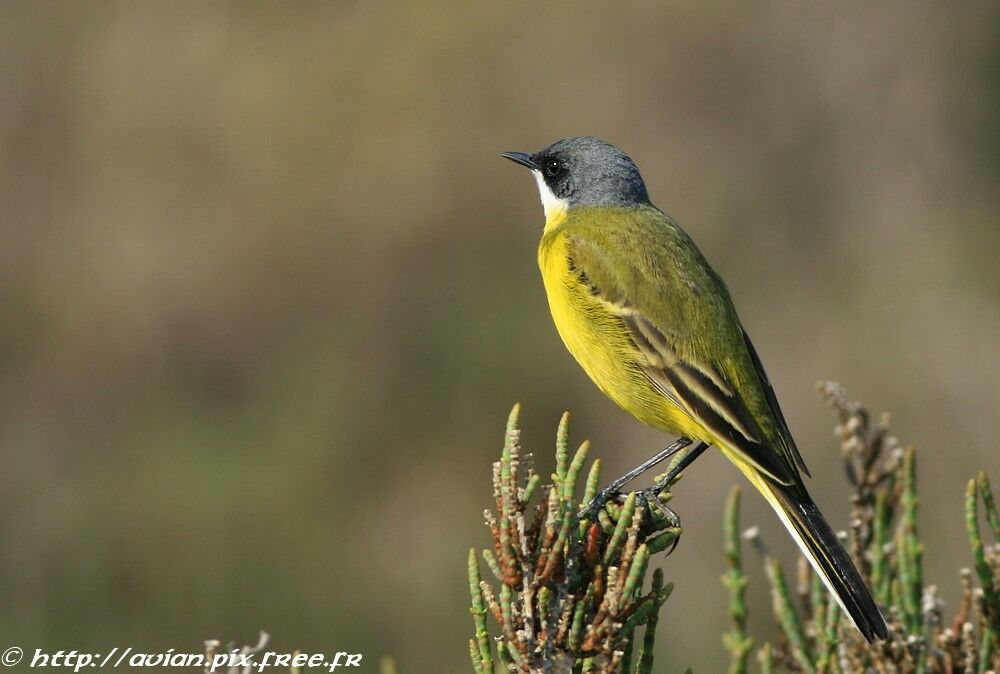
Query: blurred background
[268, 291]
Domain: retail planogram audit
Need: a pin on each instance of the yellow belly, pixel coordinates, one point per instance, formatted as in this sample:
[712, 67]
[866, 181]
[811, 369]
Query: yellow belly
[600, 342]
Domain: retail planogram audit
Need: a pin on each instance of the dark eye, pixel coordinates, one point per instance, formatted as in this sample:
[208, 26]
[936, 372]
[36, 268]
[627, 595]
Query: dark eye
[552, 168]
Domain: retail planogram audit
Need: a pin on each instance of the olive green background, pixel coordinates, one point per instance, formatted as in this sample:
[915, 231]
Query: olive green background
[268, 291]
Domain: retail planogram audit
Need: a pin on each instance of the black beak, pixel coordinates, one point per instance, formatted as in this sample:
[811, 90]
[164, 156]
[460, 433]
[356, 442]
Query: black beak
[522, 158]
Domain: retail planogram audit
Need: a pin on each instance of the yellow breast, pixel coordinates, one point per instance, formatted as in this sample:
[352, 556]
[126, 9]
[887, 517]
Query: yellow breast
[600, 342]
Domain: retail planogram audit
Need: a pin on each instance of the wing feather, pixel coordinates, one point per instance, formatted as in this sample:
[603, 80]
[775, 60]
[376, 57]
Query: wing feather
[772, 401]
[696, 388]
[699, 389]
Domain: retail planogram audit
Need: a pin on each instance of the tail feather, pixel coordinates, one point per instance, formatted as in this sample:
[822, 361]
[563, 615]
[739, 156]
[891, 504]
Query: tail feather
[823, 550]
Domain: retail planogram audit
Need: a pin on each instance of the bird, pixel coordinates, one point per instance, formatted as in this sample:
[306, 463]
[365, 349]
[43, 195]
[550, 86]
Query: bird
[654, 326]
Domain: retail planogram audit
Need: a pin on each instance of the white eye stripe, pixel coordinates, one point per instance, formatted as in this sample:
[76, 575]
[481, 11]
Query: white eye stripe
[552, 204]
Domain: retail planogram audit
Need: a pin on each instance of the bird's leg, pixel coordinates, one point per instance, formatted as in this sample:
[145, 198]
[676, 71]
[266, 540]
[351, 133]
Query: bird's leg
[650, 497]
[660, 456]
[676, 470]
[614, 489]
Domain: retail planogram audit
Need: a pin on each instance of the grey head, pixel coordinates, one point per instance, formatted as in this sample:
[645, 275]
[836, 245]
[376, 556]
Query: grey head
[584, 171]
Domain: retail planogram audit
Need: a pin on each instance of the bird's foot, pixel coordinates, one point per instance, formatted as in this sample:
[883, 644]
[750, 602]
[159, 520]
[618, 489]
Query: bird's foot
[650, 498]
[589, 512]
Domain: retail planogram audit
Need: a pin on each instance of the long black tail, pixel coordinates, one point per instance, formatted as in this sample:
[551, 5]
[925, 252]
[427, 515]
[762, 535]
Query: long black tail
[823, 550]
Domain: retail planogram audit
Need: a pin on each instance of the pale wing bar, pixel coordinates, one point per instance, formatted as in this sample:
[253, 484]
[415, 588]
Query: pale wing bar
[697, 389]
[694, 385]
[703, 393]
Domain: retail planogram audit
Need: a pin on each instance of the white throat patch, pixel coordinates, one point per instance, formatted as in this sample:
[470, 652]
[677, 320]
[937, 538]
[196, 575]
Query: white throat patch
[553, 205]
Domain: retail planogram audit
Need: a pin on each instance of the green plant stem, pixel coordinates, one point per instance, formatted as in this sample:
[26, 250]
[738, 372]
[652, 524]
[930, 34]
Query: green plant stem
[645, 665]
[478, 611]
[912, 549]
[983, 569]
[986, 492]
[766, 659]
[736, 641]
[785, 613]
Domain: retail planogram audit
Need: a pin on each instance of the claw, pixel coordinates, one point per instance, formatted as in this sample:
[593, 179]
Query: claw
[589, 512]
[651, 498]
